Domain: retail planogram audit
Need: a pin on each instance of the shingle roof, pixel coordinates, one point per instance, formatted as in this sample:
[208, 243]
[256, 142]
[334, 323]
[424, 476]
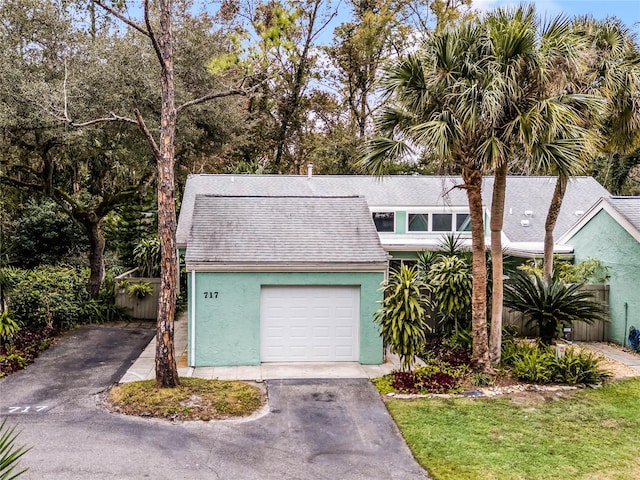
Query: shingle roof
[628, 207]
[533, 195]
[282, 230]
[523, 194]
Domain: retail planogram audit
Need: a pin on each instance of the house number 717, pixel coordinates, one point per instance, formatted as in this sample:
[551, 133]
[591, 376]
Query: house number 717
[210, 294]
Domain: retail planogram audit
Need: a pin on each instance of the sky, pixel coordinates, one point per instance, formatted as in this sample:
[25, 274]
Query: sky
[626, 10]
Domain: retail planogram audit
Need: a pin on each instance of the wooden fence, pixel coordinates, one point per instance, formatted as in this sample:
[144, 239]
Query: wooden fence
[141, 308]
[581, 332]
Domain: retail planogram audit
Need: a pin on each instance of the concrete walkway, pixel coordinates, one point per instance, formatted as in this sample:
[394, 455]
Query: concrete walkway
[144, 367]
[615, 354]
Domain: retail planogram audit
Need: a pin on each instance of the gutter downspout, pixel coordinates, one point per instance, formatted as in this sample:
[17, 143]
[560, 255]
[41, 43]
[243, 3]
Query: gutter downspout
[192, 343]
[625, 334]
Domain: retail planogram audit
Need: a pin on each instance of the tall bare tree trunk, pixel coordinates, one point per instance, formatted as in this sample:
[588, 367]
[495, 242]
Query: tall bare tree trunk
[497, 290]
[550, 223]
[166, 371]
[480, 353]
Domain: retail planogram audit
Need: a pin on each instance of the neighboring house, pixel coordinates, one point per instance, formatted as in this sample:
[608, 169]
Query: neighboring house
[610, 232]
[288, 268]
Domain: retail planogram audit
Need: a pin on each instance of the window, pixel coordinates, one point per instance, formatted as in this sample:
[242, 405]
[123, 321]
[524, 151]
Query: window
[397, 263]
[418, 222]
[441, 222]
[463, 222]
[384, 221]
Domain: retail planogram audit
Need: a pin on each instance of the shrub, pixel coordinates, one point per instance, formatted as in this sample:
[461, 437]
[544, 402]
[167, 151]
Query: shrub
[402, 317]
[551, 303]
[8, 327]
[450, 280]
[10, 454]
[51, 297]
[539, 364]
[432, 378]
[146, 254]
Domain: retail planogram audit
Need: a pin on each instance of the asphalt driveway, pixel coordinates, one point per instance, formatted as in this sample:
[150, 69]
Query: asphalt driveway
[315, 429]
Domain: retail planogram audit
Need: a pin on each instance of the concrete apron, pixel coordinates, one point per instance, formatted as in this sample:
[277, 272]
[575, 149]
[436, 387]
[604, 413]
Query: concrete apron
[144, 367]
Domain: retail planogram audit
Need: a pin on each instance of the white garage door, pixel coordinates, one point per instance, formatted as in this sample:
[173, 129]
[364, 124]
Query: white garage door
[309, 324]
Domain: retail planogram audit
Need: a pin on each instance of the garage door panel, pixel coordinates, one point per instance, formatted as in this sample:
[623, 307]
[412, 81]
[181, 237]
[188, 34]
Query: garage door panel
[309, 323]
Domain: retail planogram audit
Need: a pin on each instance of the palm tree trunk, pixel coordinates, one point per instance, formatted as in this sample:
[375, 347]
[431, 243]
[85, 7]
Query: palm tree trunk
[550, 224]
[166, 370]
[480, 352]
[497, 293]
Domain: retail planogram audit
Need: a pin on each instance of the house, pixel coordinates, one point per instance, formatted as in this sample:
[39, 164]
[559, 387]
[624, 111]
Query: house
[610, 232]
[288, 268]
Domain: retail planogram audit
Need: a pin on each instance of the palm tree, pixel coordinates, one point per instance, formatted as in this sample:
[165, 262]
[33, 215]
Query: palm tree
[438, 101]
[477, 97]
[610, 70]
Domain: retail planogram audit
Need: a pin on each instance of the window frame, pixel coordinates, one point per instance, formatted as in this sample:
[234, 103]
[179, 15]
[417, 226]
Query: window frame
[393, 220]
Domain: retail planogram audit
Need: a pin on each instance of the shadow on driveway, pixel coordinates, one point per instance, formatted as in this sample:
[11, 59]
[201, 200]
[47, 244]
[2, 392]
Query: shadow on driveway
[316, 429]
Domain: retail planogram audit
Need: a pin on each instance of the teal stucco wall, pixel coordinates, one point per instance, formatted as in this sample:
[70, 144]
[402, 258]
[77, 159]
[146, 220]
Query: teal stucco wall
[603, 238]
[227, 327]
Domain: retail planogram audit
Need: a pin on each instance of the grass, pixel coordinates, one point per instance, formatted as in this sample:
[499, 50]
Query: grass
[194, 399]
[593, 434]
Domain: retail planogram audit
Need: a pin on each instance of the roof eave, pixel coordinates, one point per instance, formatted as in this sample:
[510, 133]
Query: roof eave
[374, 267]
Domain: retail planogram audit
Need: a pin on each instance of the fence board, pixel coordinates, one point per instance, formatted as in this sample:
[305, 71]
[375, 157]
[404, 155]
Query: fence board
[582, 332]
[145, 308]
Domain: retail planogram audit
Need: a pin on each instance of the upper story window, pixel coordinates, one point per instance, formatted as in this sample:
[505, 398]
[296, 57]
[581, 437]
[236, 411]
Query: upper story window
[385, 221]
[438, 222]
[463, 222]
[441, 222]
[418, 222]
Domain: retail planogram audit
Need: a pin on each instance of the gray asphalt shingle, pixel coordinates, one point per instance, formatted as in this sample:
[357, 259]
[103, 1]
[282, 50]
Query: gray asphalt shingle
[275, 230]
[524, 193]
[628, 207]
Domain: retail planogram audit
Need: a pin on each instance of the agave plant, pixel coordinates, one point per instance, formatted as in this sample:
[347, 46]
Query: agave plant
[10, 454]
[402, 317]
[550, 303]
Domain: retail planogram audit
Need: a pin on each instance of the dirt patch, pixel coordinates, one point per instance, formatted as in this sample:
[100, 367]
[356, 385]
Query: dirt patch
[194, 399]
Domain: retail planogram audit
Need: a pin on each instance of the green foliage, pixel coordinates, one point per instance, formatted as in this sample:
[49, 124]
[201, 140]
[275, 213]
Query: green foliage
[139, 290]
[8, 327]
[10, 453]
[459, 338]
[539, 364]
[51, 297]
[146, 254]
[130, 223]
[480, 379]
[402, 318]
[551, 303]
[591, 270]
[44, 235]
[451, 283]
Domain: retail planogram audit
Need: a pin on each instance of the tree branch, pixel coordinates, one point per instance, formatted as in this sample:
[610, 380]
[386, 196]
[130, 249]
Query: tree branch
[147, 134]
[121, 17]
[112, 201]
[152, 36]
[111, 118]
[211, 96]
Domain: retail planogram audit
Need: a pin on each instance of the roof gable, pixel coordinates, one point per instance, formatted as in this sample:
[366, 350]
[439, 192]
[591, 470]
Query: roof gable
[624, 210]
[282, 230]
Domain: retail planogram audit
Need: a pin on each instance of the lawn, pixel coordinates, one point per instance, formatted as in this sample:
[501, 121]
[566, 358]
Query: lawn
[592, 434]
